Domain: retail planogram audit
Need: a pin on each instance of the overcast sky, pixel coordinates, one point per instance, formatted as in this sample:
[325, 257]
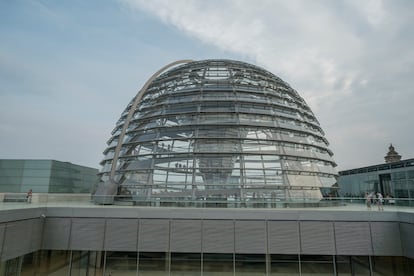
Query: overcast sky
[69, 68]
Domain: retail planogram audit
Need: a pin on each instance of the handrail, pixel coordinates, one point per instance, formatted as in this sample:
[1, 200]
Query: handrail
[79, 200]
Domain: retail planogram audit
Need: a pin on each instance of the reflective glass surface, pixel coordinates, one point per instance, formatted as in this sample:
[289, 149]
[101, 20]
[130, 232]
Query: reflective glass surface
[45, 176]
[99, 263]
[394, 181]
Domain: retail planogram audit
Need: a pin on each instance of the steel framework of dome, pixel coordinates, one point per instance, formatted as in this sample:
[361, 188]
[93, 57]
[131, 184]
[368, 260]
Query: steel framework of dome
[219, 130]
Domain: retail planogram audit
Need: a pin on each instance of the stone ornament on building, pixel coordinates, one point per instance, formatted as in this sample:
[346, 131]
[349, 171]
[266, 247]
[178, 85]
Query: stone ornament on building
[392, 155]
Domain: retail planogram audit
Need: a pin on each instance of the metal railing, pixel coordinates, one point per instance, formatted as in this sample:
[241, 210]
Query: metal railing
[19, 200]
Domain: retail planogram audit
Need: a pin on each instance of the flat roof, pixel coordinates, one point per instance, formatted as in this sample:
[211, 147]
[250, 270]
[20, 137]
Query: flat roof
[380, 167]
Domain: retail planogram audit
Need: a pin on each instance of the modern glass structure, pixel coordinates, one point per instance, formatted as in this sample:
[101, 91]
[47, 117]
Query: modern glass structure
[45, 176]
[395, 180]
[219, 130]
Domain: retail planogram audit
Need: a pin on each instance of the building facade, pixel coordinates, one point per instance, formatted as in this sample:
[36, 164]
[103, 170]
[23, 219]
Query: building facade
[392, 179]
[118, 240]
[45, 176]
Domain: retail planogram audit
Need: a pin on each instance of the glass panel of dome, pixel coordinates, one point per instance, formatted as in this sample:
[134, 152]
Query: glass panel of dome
[326, 169]
[159, 176]
[273, 180]
[145, 148]
[180, 146]
[209, 145]
[106, 168]
[142, 162]
[113, 143]
[271, 164]
[180, 175]
[304, 180]
[327, 181]
[268, 149]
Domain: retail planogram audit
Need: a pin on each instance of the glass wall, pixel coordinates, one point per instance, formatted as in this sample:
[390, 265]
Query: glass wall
[46, 176]
[70, 178]
[153, 263]
[395, 181]
[18, 176]
[250, 264]
[218, 264]
[121, 263]
[317, 265]
[88, 263]
[185, 264]
[284, 265]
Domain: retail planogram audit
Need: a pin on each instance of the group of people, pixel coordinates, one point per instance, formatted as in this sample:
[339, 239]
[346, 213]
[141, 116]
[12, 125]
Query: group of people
[372, 198]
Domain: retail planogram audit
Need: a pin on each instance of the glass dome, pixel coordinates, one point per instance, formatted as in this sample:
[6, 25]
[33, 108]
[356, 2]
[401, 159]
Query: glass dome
[218, 130]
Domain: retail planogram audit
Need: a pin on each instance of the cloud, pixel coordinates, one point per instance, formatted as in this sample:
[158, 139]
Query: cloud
[346, 58]
[69, 68]
[294, 38]
[372, 10]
